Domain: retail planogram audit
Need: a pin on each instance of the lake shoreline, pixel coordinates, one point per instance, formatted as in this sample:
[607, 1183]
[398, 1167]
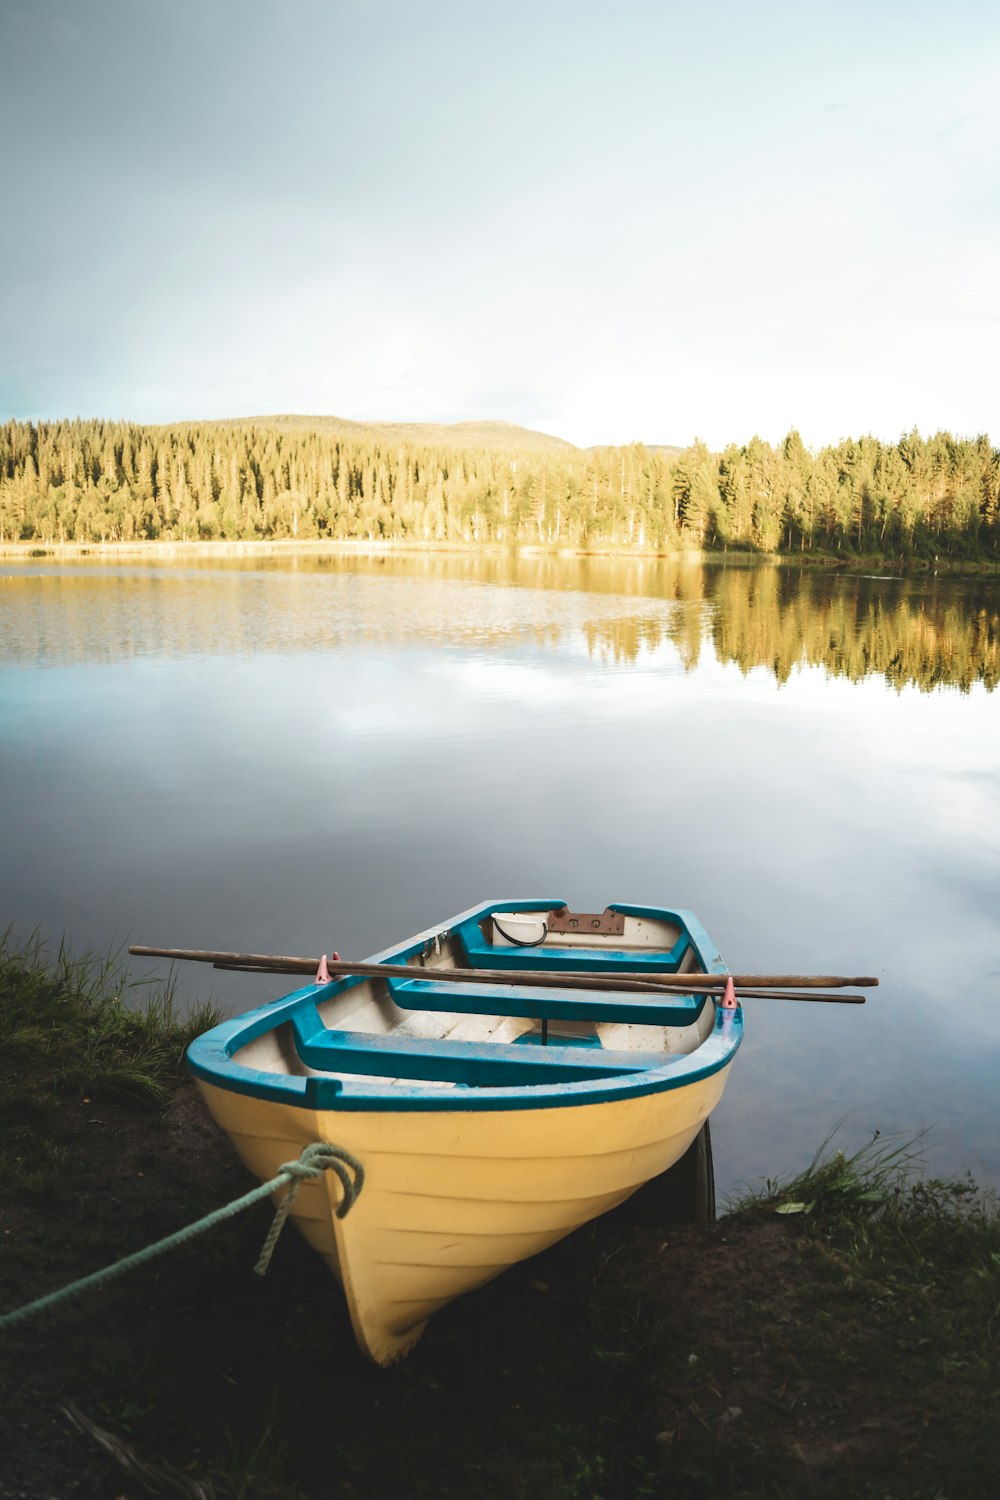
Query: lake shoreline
[840, 1347]
[154, 551]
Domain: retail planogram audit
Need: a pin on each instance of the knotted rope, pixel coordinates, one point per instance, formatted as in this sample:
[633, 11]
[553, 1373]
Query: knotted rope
[314, 1160]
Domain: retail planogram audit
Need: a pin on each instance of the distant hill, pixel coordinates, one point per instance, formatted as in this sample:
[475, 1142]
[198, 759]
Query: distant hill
[669, 450]
[503, 436]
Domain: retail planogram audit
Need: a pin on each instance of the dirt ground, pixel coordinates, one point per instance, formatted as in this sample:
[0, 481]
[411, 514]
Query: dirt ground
[639, 1357]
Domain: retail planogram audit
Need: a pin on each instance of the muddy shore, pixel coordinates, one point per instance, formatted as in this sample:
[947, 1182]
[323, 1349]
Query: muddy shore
[638, 1357]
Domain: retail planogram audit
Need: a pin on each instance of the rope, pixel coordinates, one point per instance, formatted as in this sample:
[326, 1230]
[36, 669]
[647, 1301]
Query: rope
[327, 1158]
[313, 1161]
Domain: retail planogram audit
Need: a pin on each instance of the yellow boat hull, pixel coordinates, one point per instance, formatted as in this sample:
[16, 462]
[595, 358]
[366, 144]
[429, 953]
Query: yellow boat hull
[453, 1198]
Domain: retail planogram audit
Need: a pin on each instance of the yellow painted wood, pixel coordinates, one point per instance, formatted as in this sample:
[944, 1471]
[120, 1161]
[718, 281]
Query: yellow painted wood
[451, 1199]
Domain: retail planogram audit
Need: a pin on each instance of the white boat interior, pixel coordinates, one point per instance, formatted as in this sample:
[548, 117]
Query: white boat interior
[481, 1022]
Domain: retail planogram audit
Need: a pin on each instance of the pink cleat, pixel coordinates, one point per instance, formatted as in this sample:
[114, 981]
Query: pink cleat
[323, 975]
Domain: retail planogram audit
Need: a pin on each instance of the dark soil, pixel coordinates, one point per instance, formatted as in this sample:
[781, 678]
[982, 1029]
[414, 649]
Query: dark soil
[639, 1357]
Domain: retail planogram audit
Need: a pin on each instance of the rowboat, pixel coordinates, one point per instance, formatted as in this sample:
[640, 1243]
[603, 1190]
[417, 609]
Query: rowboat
[494, 1111]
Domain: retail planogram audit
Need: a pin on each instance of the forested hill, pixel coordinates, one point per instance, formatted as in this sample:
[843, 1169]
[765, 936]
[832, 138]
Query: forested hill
[274, 478]
[504, 437]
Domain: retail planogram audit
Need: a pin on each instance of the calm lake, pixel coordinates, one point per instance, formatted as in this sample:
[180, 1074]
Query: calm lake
[299, 753]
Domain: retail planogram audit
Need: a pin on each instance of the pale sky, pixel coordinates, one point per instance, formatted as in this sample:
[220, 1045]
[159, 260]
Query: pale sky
[610, 221]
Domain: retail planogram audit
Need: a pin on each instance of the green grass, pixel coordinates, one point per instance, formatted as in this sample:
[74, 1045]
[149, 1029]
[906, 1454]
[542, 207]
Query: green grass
[911, 1246]
[840, 1185]
[257, 1467]
[905, 1296]
[79, 1029]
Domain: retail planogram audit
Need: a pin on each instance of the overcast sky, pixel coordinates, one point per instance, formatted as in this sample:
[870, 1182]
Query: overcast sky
[612, 221]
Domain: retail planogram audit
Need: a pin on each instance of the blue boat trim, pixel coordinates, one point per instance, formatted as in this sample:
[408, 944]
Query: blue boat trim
[570, 1081]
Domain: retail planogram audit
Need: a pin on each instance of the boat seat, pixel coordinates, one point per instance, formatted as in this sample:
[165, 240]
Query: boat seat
[543, 1004]
[477, 1064]
[483, 954]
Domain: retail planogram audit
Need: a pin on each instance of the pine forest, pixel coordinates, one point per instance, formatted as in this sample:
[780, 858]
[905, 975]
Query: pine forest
[96, 481]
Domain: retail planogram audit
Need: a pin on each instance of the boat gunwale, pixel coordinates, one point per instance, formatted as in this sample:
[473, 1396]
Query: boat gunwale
[211, 1057]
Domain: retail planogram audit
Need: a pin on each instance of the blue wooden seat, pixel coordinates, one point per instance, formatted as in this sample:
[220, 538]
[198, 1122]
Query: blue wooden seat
[513, 999]
[476, 1064]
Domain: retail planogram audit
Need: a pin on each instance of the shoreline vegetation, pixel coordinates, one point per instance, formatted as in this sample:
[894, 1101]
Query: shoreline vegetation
[920, 501]
[153, 550]
[834, 1336]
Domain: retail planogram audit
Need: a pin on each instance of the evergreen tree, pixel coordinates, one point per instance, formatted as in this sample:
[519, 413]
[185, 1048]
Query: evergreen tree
[92, 481]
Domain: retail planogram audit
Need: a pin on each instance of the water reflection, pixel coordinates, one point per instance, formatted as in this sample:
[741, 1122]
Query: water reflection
[925, 632]
[307, 753]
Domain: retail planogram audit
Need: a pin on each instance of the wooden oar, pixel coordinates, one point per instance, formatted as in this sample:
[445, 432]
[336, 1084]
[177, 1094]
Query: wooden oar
[765, 986]
[606, 982]
[565, 981]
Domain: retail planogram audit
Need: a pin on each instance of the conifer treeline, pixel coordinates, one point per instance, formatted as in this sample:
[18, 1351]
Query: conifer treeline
[102, 481]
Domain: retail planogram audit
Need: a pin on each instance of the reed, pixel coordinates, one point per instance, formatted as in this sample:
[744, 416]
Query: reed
[837, 1184]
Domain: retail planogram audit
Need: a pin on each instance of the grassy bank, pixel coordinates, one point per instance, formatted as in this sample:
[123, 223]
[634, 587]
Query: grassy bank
[834, 1337]
[76, 1032]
